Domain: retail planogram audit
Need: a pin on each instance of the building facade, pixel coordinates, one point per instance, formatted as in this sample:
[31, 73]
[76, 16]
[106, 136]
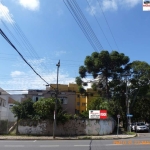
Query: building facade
[72, 101]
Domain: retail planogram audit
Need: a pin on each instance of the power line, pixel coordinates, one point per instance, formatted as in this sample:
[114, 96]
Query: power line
[90, 28]
[99, 25]
[81, 20]
[108, 24]
[6, 38]
[26, 43]
[81, 27]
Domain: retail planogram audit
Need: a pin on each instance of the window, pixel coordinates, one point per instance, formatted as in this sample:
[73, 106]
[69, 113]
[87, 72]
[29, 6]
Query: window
[10, 106]
[83, 104]
[83, 96]
[4, 103]
[64, 100]
[36, 98]
[78, 96]
[76, 111]
[78, 103]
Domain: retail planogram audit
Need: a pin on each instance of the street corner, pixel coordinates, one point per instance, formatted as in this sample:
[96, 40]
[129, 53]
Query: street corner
[125, 136]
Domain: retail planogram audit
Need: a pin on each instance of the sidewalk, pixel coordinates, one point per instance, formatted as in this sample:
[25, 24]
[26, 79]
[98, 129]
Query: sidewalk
[103, 137]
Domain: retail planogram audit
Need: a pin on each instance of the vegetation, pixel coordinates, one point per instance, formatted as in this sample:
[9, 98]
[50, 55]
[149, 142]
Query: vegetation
[119, 80]
[40, 110]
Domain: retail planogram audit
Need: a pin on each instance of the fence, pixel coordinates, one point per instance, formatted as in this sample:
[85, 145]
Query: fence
[72, 127]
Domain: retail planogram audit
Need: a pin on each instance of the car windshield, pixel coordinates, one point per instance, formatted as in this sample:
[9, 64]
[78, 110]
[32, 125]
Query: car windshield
[140, 124]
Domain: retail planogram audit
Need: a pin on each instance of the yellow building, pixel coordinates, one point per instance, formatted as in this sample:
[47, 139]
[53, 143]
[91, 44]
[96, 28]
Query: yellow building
[81, 101]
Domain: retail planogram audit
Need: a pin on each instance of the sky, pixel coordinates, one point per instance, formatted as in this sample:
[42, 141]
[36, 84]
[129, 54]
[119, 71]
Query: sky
[45, 31]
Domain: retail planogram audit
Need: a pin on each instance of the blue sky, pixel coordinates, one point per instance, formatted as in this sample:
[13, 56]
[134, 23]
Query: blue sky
[44, 31]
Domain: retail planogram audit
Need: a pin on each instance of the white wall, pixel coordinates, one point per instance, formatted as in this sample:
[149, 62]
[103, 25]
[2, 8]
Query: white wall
[3, 107]
[72, 127]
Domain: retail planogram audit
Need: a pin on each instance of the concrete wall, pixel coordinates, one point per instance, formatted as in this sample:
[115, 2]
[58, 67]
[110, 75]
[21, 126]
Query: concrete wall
[73, 127]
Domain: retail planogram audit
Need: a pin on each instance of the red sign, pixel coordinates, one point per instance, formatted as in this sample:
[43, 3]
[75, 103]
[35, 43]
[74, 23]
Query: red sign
[103, 114]
[97, 114]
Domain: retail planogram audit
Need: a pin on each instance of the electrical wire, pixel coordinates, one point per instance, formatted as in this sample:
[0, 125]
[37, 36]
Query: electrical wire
[81, 20]
[28, 47]
[108, 24]
[81, 26]
[89, 27]
[6, 38]
[99, 24]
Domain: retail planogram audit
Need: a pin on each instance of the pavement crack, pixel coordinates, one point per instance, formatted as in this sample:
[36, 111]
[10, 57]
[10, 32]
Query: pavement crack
[90, 145]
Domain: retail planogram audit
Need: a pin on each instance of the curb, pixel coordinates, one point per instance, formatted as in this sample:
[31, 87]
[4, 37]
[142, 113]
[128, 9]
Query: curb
[66, 138]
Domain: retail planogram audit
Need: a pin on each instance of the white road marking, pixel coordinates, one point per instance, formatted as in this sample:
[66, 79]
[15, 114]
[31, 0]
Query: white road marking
[49, 145]
[81, 145]
[34, 141]
[13, 145]
[112, 144]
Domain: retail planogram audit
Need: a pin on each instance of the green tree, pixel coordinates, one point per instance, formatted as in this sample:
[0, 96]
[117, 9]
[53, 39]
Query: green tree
[42, 109]
[99, 104]
[140, 98]
[23, 110]
[45, 109]
[108, 65]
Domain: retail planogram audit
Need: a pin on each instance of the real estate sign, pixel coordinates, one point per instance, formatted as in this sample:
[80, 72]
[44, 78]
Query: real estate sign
[97, 114]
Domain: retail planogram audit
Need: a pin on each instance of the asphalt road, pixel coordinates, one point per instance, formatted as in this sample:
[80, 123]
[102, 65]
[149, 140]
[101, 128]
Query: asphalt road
[127, 144]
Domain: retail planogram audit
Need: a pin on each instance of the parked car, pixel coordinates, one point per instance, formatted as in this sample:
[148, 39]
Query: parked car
[140, 126]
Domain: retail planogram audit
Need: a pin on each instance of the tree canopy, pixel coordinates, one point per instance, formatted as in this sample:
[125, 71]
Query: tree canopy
[40, 110]
[118, 80]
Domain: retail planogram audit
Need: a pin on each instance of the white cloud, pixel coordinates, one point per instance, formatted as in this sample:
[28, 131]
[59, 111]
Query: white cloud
[37, 62]
[92, 10]
[29, 80]
[132, 3]
[30, 4]
[58, 53]
[5, 14]
[110, 5]
[24, 78]
[16, 73]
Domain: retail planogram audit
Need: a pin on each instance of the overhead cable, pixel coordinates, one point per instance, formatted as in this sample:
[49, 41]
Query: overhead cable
[81, 20]
[108, 24]
[99, 24]
[6, 38]
[26, 44]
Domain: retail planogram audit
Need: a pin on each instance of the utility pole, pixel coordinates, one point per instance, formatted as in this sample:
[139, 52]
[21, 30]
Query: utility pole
[127, 104]
[55, 111]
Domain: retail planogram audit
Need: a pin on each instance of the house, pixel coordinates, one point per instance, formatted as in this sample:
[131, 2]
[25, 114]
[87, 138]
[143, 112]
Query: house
[3, 104]
[66, 97]
[72, 101]
[6, 103]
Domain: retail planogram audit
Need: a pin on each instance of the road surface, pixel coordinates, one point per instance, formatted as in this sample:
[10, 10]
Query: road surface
[124, 144]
